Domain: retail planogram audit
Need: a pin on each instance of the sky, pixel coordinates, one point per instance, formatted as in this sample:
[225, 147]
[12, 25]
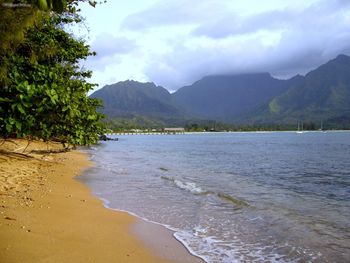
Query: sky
[174, 43]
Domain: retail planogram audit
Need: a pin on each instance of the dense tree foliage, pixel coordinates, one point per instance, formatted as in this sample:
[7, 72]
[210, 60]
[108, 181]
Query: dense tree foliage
[19, 15]
[44, 94]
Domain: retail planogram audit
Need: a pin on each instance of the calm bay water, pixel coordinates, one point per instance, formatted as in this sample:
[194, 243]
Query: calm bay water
[235, 197]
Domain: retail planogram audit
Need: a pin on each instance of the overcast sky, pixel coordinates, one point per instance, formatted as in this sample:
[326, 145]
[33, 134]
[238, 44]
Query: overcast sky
[176, 42]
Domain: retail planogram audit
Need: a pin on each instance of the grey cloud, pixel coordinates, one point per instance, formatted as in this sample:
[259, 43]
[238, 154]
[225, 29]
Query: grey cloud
[184, 66]
[109, 49]
[313, 16]
[108, 45]
[296, 53]
[175, 12]
[233, 25]
[342, 2]
[309, 38]
[101, 63]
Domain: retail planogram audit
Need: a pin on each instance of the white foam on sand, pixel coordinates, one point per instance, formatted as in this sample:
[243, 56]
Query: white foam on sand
[208, 248]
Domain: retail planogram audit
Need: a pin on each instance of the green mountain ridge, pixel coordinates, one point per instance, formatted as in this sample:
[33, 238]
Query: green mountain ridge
[322, 95]
[227, 98]
[131, 98]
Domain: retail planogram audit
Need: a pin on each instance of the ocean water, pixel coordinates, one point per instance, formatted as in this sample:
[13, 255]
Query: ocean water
[235, 197]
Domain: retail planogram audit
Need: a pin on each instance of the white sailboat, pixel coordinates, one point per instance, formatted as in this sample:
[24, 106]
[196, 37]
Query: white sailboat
[321, 128]
[300, 131]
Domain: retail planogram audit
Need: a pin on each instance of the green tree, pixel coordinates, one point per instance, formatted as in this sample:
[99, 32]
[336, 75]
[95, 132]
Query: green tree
[45, 95]
[17, 16]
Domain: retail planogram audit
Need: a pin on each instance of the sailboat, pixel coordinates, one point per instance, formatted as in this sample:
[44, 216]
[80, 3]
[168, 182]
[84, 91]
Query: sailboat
[321, 128]
[300, 131]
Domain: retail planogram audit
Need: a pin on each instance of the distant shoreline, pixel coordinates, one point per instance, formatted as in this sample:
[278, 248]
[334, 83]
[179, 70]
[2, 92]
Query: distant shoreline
[207, 132]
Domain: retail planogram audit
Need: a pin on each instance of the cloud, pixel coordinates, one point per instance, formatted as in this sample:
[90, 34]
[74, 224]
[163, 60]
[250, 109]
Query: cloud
[283, 42]
[176, 42]
[106, 44]
[314, 17]
[293, 53]
[175, 13]
[187, 63]
[234, 25]
[109, 49]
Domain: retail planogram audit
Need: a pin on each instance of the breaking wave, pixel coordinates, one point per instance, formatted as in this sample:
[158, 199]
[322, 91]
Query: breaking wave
[197, 190]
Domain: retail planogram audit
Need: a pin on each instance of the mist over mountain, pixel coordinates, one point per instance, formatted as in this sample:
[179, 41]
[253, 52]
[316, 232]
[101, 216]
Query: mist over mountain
[321, 95]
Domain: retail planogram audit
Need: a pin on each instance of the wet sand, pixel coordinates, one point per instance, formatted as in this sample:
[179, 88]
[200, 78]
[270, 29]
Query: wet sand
[47, 216]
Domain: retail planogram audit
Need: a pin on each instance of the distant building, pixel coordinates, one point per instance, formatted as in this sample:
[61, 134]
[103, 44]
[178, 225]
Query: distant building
[174, 130]
[136, 130]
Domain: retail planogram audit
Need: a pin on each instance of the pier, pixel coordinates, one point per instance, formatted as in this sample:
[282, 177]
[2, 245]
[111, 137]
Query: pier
[165, 131]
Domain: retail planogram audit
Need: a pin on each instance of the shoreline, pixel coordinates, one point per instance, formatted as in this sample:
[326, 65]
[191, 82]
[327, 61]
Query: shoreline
[46, 215]
[227, 132]
[159, 248]
[166, 245]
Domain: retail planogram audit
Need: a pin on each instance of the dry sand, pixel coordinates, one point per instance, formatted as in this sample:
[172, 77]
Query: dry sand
[46, 216]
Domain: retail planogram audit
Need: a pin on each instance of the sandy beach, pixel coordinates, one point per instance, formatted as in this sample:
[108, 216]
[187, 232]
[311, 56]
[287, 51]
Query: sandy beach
[48, 216]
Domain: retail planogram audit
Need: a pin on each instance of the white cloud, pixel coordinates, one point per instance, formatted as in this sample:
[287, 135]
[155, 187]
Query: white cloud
[175, 42]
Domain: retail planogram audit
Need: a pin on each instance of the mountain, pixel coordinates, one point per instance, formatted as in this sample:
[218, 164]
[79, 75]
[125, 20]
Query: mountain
[322, 95]
[131, 98]
[227, 98]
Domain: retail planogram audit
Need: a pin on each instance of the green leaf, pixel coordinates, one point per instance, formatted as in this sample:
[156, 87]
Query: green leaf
[18, 125]
[5, 100]
[8, 127]
[20, 108]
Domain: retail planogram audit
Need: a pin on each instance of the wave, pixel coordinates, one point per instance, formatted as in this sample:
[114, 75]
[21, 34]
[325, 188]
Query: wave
[209, 248]
[189, 186]
[232, 199]
[197, 190]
